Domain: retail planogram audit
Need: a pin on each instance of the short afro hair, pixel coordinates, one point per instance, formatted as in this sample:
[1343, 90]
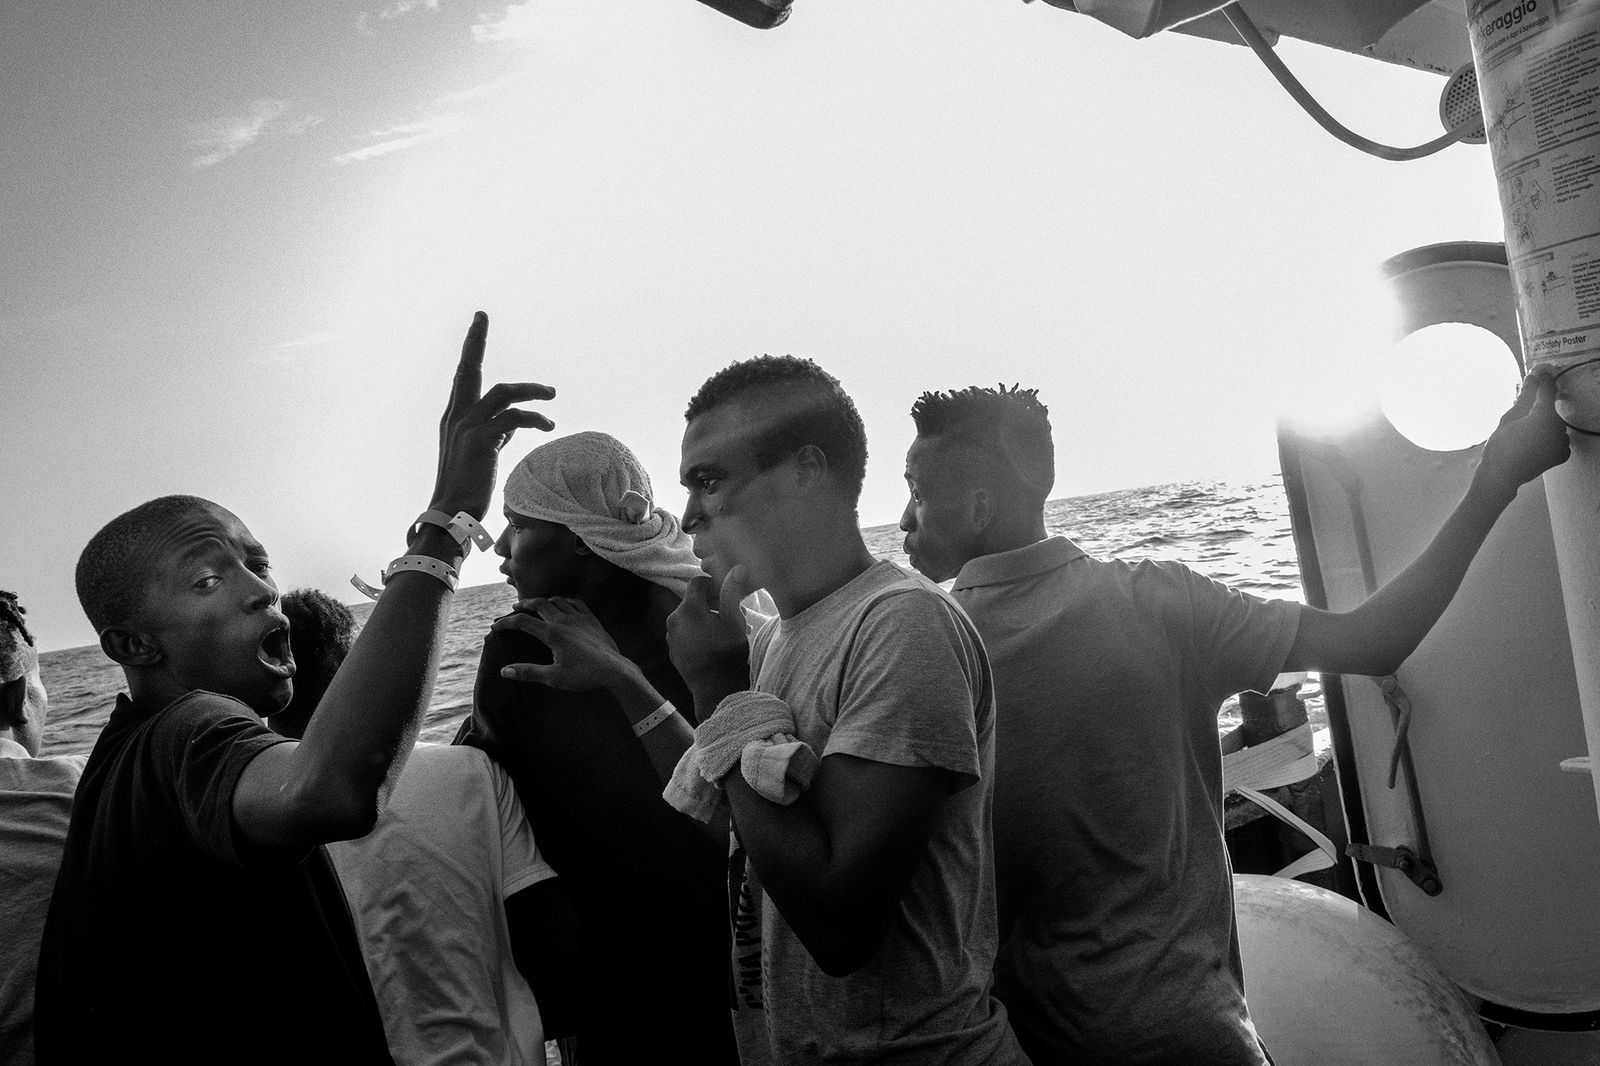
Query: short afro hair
[321, 629]
[114, 571]
[827, 419]
[17, 654]
[1008, 428]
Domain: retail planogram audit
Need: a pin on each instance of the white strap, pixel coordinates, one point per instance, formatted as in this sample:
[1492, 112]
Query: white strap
[425, 564]
[365, 589]
[654, 718]
[1311, 860]
[462, 526]
[1283, 760]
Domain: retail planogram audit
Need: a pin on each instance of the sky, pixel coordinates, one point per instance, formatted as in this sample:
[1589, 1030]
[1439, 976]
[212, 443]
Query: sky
[242, 242]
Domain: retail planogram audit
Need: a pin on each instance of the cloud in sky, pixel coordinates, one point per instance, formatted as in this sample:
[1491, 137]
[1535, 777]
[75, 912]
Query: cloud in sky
[227, 137]
[516, 24]
[481, 91]
[300, 344]
[437, 119]
[432, 124]
[397, 9]
[443, 114]
[405, 7]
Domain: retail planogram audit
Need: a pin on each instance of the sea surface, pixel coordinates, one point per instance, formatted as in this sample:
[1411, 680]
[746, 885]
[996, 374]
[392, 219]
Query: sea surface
[1237, 533]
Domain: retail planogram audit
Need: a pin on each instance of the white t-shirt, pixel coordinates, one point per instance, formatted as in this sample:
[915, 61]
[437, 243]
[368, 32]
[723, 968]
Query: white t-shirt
[427, 888]
[35, 809]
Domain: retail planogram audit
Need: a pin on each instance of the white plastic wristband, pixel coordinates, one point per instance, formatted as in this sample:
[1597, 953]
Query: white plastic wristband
[463, 527]
[426, 564]
[654, 718]
[365, 589]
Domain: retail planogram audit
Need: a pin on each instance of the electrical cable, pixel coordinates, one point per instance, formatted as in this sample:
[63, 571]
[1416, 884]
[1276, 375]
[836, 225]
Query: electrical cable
[1247, 30]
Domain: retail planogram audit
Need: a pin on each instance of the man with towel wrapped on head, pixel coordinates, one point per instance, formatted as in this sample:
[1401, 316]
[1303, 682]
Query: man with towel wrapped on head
[584, 543]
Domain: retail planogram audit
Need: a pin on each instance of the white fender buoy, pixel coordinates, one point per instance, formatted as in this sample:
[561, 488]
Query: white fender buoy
[1329, 983]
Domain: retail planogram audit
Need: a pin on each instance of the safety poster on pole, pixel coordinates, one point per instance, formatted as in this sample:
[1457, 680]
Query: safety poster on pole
[1538, 64]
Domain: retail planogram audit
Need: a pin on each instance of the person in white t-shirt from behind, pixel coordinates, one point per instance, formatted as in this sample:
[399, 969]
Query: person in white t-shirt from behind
[35, 808]
[456, 909]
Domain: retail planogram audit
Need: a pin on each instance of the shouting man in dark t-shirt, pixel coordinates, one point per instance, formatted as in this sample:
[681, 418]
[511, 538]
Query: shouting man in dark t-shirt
[193, 884]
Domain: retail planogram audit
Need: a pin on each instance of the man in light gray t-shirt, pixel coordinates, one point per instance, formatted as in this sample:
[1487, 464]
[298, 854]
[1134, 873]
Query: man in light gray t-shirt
[875, 889]
[888, 669]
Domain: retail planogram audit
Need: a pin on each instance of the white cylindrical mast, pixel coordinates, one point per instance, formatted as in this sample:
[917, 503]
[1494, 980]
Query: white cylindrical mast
[1538, 68]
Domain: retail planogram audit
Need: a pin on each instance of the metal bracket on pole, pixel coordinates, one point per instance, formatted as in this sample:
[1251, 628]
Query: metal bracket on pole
[1401, 858]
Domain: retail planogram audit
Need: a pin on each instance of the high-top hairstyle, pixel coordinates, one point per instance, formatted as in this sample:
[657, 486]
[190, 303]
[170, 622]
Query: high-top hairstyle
[827, 420]
[113, 571]
[1008, 430]
[17, 653]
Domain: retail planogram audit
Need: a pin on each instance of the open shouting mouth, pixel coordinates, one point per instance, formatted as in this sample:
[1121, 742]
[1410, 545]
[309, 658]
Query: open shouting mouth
[274, 651]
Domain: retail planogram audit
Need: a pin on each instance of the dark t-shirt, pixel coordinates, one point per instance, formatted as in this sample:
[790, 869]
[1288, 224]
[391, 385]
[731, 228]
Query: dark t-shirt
[167, 939]
[647, 883]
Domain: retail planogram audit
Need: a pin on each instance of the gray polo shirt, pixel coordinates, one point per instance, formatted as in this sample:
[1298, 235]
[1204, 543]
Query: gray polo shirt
[1115, 892]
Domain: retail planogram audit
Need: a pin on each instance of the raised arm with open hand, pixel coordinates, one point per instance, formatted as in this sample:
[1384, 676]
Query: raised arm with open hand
[1377, 636]
[331, 785]
[475, 426]
[584, 658]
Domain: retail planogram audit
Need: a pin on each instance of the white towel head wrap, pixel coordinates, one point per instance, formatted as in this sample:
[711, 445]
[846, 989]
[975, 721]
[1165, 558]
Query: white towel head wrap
[592, 484]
